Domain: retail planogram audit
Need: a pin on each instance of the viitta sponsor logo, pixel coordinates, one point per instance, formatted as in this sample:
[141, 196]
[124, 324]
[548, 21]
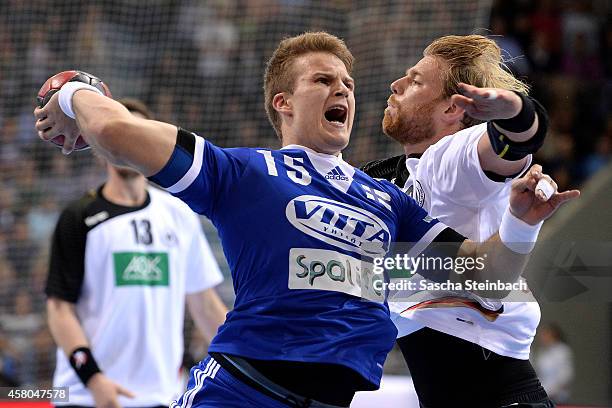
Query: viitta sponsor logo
[336, 174]
[339, 224]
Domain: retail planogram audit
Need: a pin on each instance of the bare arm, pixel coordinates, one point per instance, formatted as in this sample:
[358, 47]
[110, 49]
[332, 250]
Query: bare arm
[500, 264]
[68, 334]
[506, 104]
[108, 127]
[65, 326]
[207, 311]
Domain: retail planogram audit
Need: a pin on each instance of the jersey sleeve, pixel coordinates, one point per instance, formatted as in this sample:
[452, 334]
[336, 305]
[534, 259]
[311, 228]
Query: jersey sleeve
[420, 234]
[200, 173]
[202, 268]
[67, 257]
[453, 171]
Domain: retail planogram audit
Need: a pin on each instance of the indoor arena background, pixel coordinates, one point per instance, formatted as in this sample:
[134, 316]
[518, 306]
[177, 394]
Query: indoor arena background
[200, 64]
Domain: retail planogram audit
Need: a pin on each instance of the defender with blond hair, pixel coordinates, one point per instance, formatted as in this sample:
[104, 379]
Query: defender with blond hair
[474, 349]
[298, 227]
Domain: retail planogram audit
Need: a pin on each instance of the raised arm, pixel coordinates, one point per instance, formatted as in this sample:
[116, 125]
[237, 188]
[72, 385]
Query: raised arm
[517, 126]
[107, 126]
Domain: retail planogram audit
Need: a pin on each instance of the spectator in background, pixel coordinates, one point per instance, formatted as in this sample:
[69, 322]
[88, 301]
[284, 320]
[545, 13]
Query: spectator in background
[20, 327]
[554, 362]
[580, 31]
[10, 153]
[8, 377]
[42, 219]
[512, 51]
[21, 250]
[7, 205]
[545, 47]
[602, 154]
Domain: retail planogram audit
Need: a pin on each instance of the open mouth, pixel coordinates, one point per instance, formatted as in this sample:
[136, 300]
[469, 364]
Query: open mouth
[336, 115]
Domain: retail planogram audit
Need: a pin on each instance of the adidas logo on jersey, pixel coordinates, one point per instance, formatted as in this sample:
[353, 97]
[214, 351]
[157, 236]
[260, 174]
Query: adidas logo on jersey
[336, 174]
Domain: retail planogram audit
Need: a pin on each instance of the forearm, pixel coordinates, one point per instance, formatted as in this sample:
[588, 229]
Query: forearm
[64, 325]
[500, 262]
[504, 148]
[119, 136]
[520, 137]
[503, 256]
[208, 312]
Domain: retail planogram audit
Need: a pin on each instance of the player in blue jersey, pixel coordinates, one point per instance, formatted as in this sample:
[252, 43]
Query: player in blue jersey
[298, 226]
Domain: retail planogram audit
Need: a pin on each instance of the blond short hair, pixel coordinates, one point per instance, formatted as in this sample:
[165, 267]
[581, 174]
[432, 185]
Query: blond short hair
[475, 60]
[279, 75]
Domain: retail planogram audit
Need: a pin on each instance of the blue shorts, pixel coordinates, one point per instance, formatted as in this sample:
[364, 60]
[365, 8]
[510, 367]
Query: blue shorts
[211, 386]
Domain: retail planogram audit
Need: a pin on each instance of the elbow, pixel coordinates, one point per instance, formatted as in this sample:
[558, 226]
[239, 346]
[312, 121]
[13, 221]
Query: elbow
[53, 308]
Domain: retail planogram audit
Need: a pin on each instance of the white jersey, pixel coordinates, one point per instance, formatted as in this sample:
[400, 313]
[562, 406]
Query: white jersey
[128, 269]
[449, 183]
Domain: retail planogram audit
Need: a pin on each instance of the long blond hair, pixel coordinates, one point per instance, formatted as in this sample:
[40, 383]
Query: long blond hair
[475, 60]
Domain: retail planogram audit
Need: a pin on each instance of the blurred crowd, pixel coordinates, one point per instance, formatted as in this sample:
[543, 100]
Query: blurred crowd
[200, 64]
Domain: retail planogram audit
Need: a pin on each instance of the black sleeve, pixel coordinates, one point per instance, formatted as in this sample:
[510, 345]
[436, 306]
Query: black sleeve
[67, 258]
[449, 235]
[444, 246]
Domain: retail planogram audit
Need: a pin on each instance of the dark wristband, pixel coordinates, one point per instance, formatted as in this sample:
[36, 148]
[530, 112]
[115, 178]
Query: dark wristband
[510, 150]
[521, 122]
[84, 364]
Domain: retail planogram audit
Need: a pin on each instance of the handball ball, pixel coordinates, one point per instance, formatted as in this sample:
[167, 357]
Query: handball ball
[53, 84]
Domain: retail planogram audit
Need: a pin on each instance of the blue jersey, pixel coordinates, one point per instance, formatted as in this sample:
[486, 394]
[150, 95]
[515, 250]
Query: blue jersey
[296, 227]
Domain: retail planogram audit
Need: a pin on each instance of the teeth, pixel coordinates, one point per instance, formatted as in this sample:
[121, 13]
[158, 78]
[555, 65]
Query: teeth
[338, 115]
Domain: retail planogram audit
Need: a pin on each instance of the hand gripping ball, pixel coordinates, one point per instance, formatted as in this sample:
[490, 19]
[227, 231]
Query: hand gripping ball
[54, 84]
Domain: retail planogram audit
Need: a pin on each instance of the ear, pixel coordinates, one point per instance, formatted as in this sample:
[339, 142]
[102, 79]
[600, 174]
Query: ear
[281, 104]
[452, 113]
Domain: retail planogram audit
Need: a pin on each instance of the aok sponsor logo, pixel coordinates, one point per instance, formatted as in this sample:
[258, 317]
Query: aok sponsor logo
[344, 226]
[142, 269]
[330, 270]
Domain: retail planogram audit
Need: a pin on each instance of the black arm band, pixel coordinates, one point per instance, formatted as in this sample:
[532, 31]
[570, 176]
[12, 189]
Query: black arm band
[521, 122]
[84, 364]
[510, 150]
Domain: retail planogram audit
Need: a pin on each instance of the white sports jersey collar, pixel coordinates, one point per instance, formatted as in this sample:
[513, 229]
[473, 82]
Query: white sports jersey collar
[333, 168]
[310, 151]
[411, 164]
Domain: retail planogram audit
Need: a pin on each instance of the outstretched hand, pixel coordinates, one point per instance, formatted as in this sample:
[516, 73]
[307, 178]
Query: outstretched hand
[529, 203]
[487, 103]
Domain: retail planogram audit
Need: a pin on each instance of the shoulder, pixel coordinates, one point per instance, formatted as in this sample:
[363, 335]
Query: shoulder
[384, 168]
[80, 208]
[79, 217]
[459, 140]
[161, 196]
[381, 188]
[170, 204]
[196, 145]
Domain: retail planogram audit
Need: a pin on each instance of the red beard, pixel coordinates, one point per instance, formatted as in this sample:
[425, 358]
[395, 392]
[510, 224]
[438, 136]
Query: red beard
[410, 127]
